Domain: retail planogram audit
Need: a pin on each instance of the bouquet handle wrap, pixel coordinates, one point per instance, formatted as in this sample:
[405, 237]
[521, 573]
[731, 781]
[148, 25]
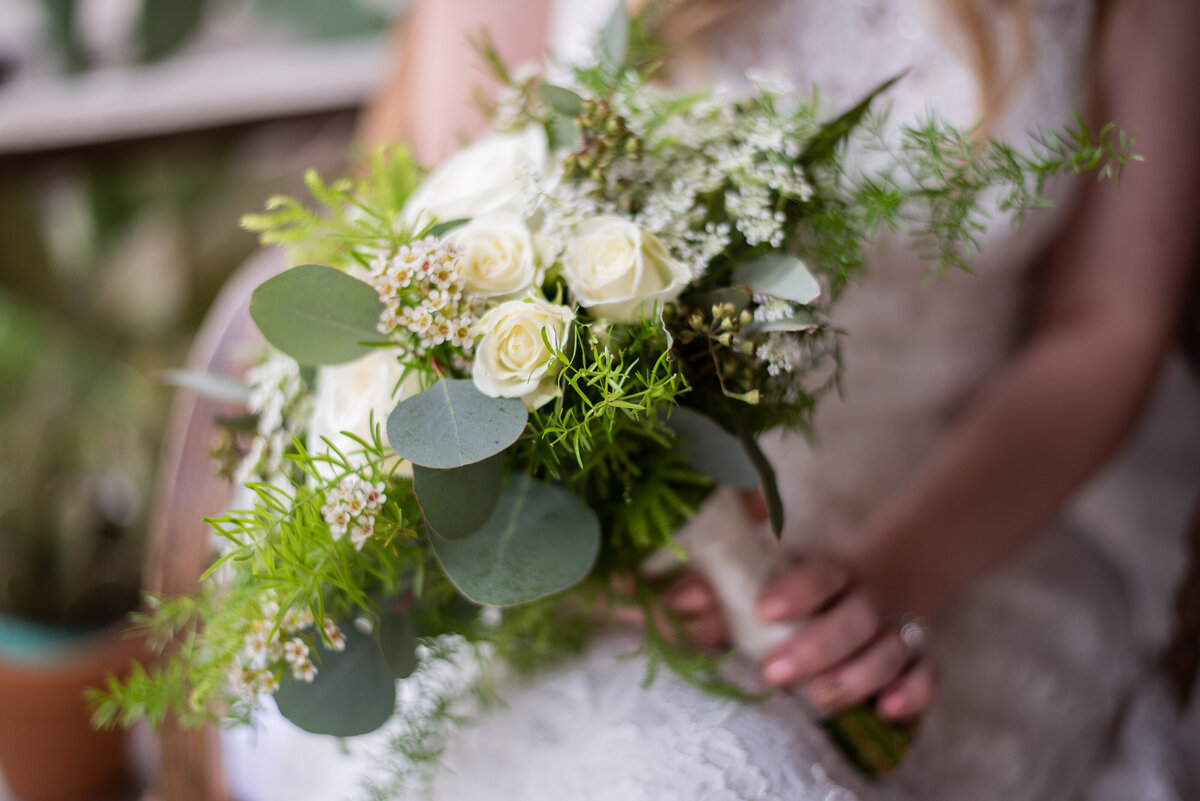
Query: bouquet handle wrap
[739, 558]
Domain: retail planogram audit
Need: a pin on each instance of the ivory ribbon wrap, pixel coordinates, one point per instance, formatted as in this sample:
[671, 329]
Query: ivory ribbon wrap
[739, 557]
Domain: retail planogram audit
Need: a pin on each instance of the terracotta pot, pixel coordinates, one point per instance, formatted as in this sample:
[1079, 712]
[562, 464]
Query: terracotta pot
[48, 748]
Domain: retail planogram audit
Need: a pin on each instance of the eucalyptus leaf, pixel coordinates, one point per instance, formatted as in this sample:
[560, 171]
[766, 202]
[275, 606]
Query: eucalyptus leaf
[711, 450]
[210, 385]
[564, 101]
[434, 619]
[562, 133]
[798, 322]
[353, 693]
[614, 38]
[770, 487]
[458, 501]
[317, 315]
[441, 229]
[539, 540]
[398, 642]
[452, 424]
[780, 275]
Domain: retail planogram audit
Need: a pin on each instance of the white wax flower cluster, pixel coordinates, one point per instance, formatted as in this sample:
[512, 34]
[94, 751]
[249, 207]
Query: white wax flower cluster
[422, 291]
[253, 674]
[351, 507]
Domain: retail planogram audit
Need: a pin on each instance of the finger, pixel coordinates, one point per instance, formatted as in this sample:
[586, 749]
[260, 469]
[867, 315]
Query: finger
[803, 590]
[627, 615]
[623, 584]
[910, 694]
[707, 631]
[824, 642]
[755, 504]
[863, 675]
[691, 595]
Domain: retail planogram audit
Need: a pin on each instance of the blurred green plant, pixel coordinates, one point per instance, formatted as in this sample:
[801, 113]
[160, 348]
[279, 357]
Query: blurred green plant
[164, 26]
[107, 271]
[78, 461]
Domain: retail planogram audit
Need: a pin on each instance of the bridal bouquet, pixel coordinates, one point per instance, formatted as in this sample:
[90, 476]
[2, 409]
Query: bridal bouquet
[501, 385]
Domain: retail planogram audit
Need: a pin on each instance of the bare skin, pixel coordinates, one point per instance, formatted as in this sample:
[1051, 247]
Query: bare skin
[1064, 402]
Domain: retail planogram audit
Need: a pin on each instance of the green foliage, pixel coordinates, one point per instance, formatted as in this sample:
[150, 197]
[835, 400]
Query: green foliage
[711, 450]
[280, 552]
[941, 178]
[452, 424]
[778, 274]
[538, 541]
[658, 493]
[398, 643]
[317, 315]
[355, 213]
[354, 692]
[456, 502]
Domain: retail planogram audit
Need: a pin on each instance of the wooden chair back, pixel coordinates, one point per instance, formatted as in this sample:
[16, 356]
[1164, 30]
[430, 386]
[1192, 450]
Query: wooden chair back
[181, 545]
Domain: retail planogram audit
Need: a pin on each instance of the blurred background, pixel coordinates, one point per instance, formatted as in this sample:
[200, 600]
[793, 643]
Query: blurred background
[133, 135]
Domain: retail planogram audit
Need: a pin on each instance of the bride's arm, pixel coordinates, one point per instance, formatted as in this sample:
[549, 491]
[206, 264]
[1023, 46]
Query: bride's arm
[428, 101]
[1061, 406]
[1108, 312]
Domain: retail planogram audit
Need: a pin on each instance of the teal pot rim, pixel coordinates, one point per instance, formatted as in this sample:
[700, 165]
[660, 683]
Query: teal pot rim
[29, 644]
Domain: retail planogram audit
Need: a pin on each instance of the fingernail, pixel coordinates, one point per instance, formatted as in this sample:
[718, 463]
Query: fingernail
[780, 670]
[826, 696]
[892, 707]
[772, 605]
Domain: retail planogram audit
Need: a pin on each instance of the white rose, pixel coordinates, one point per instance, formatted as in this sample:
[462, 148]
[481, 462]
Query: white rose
[619, 270]
[512, 360]
[482, 177]
[349, 394]
[496, 255]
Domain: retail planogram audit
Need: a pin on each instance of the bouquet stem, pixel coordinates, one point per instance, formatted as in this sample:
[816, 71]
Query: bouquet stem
[873, 745]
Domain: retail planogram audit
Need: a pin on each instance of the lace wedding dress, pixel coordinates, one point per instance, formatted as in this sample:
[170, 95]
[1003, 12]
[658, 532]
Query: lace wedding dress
[1046, 693]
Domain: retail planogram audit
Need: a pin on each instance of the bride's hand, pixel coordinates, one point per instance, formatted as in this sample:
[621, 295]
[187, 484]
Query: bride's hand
[845, 653]
[694, 603]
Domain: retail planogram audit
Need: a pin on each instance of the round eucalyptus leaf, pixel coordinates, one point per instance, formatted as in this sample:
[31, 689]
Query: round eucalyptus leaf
[799, 322]
[452, 424]
[398, 641]
[712, 450]
[614, 38]
[317, 315]
[562, 133]
[779, 275]
[539, 540]
[458, 501]
[354, 691]
[564, 101]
